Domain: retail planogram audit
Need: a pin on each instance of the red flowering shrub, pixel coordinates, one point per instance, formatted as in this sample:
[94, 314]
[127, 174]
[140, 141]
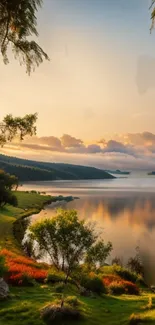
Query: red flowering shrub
[131, 288]
[22, 270]
[109, 278]
[123, 287]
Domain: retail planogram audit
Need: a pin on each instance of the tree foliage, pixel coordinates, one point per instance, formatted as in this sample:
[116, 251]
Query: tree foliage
[152, 8]
[135, 263]
[7, 184]
[11, 127]
[98, 253]
[17, 23]
[68, 240]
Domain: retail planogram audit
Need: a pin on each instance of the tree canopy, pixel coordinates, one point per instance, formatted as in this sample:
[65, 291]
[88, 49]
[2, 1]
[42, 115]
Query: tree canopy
[68, 240]
[12, 127]
[152, 8]
[7, 184]
[18, 23]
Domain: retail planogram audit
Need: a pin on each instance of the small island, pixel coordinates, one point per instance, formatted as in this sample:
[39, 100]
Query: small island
[151, 173]
[119, 172]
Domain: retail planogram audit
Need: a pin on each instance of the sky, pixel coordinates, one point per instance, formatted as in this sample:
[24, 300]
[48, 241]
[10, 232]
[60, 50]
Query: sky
[98, 90]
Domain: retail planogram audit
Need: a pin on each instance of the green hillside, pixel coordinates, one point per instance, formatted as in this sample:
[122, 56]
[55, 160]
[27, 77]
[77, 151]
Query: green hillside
[29, 170]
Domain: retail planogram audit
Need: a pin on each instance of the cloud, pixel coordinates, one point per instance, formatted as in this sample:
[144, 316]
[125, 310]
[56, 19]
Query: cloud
[70, 142]
[129, 151]
[115, 146]
[51, 141]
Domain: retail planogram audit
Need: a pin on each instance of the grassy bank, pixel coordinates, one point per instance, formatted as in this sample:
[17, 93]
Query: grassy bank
[26, 304]
[28, 203]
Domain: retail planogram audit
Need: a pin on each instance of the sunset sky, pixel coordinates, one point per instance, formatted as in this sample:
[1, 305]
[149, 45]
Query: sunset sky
[96, 97]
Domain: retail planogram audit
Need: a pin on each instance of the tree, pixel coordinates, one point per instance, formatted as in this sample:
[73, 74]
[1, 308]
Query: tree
[135, 264]
[8, 183]
[17, 23]
[152, 7]
[98, 253]
[68, 240]
[117, 261]
[11, 127]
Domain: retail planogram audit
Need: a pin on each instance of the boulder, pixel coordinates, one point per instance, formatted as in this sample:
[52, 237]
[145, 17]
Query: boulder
[4, 289]
[56, 313]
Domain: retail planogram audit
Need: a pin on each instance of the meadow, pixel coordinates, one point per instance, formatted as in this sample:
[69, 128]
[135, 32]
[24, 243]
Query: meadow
[26, 301]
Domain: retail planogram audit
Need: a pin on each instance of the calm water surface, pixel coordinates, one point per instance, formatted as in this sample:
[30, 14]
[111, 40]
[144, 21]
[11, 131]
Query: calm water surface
[124, 208]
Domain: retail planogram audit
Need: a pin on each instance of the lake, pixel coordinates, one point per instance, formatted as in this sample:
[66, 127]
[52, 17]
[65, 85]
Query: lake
[124, 208]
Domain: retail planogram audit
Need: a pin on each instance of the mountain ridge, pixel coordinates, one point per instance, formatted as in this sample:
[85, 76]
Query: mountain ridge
[31, 170]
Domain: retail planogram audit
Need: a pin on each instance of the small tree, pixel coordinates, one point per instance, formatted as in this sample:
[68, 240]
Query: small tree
[67, 241]
[7, 184]
[17, 24]
[98, 253]
[12, 127]
[152, 7]
[135, 264]
[117, 261]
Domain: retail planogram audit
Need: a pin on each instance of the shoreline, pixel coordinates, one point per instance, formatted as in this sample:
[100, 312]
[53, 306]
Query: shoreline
[20, 225]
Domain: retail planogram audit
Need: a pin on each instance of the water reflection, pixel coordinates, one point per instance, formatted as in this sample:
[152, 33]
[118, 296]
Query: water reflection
[126, 217]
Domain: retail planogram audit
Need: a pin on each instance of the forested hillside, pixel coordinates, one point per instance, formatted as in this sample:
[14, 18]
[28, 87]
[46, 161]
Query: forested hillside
[29, 170]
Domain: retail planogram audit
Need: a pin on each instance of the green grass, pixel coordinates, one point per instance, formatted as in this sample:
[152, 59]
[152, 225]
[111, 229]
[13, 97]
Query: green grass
[28, 203]
[25, 305]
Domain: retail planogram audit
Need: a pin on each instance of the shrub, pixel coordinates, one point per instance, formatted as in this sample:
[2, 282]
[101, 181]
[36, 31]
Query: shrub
[130, 288]
[57, 314]
[55, 276]
[141, 282]
[21, 280]
[125, 273]
[116, 288]
[109, 278]
[93, 283]
[19, 267]
[72, 300]
[135, 319]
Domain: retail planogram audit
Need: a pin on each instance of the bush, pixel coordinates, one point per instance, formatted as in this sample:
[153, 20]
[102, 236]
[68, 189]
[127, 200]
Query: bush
[21, 280]
[3, 267]
[125, 273]
[93, 283]
[57, 314]
[116, 288]
[130, 288]
[19, 266]
[141, 282]
[123, 287]
[109, 278]
[55, 276]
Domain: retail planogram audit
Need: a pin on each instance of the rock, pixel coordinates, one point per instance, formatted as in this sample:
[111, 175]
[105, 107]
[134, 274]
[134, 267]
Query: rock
[57, 313]
[4, 289]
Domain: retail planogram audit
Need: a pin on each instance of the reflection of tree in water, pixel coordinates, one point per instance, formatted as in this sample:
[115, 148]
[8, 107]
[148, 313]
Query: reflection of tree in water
[139, 208]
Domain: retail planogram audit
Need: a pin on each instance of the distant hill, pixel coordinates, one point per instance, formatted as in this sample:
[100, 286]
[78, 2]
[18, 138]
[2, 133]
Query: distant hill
[29, 170]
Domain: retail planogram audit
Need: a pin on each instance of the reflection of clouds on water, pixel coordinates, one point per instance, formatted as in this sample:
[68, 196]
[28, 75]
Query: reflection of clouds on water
[127, 217]
[127, 222]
